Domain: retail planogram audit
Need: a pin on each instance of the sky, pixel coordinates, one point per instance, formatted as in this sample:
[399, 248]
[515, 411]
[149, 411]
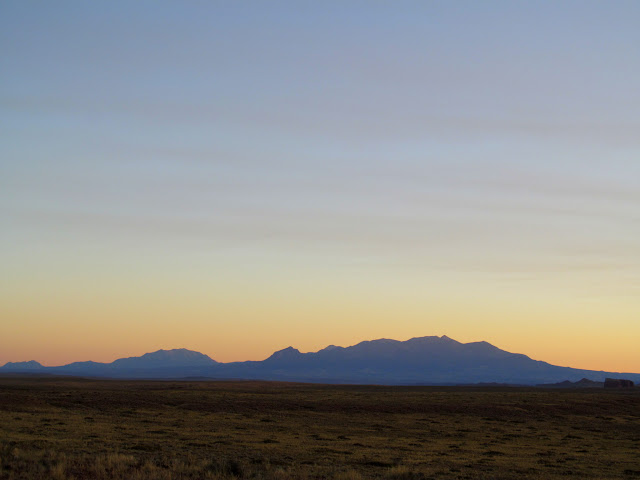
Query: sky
[238, 177]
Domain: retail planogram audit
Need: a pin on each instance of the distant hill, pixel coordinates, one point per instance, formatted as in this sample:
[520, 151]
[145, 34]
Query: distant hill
[418, 361]
[22, 366]
[583, 383]
[166, 358]
[162, 363]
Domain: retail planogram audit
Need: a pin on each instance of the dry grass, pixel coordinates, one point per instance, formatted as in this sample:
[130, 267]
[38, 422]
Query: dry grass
[85, 429]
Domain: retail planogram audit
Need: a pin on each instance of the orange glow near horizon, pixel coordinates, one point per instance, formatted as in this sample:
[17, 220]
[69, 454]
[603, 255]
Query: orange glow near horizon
[108, 325]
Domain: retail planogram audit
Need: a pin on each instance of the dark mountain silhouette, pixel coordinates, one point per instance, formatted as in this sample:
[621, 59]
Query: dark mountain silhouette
[23, 366]
[286, 355]
[419, 361]
[166, 358]
[583, 383]
[162, 363]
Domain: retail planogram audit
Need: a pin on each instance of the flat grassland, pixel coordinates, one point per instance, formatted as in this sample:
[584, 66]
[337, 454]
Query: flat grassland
[66, 428]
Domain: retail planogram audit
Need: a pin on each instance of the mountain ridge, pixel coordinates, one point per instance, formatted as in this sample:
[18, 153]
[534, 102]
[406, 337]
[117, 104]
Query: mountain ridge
[429, 360]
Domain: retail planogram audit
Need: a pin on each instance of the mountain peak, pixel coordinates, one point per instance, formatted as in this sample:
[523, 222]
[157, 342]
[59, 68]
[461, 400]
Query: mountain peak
[377, 342]
[432, 339]
[174, 352]
[178, 357]
[30, 365]
[329, 348]
[288, 353]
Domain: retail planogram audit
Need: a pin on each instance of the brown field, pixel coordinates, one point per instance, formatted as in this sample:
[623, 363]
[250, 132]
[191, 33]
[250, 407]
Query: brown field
[97, 429]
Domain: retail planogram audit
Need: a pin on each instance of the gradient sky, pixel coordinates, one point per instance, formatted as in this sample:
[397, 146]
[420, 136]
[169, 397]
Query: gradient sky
[237, 177]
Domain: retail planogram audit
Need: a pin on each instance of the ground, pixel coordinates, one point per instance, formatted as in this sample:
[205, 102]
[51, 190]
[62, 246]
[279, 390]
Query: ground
[69, 428]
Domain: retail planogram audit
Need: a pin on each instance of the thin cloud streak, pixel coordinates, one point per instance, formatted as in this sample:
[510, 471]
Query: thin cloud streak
[380, 125]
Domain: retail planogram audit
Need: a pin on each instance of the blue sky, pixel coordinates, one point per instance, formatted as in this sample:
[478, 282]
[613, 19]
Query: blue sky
[430, 153]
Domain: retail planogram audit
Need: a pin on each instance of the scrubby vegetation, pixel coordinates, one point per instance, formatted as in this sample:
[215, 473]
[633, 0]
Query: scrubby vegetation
[99, 429]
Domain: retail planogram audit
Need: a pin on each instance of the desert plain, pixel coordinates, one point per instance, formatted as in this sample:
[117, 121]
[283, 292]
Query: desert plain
[74, 428]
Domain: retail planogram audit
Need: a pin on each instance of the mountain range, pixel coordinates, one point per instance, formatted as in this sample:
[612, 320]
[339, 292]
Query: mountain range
[418, 361]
